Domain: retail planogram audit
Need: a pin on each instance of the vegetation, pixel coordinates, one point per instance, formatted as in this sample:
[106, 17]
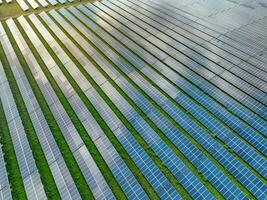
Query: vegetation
[13, 9]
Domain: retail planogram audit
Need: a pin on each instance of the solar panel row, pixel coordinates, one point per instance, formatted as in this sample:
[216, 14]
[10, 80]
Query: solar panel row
[230, 45]
[61, 22]
[212, 28]
[179, 170]
[142, 160]
[201, 162]
[119, 79]
[25, 5]
[28, 169]
[197, 39]
[154, 182]
[147, 165]
[75, 23]
[178, 46]
[215, 127]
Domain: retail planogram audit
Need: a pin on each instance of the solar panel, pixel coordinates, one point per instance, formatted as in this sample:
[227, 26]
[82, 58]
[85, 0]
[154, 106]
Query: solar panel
[143, 161]
[173, 134]
[5, 193]
[173, 34]
[33, 4]
[23, 5]
[211, 123]
[189, 125]
[159, 43]
[104, 84]
[246, 158]
[43, 3]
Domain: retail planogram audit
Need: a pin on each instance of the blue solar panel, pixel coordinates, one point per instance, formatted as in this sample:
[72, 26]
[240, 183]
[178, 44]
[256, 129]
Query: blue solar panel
[186, 60]
[194, 187]
[169, 50]
[216, 127]
[190, 151]
[142, 160]
[235, 124]
[120, 50]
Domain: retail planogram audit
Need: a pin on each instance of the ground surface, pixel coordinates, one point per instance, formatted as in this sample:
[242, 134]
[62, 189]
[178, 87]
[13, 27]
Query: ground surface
[134, 99]
[13, 10]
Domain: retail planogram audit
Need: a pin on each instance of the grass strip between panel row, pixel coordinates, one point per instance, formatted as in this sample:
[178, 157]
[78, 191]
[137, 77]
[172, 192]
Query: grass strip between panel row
[152, 124]
[199, 123]
[12, 167]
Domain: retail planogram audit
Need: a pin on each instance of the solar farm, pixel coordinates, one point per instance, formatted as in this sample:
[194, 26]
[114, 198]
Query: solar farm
[134, 99]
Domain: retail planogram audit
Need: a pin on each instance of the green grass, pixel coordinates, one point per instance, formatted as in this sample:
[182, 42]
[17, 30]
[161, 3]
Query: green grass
[104, 169]
[115, 187]
[12, 167]
[70, 161]
[13, 9]
[37, 152]
[168, 174]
